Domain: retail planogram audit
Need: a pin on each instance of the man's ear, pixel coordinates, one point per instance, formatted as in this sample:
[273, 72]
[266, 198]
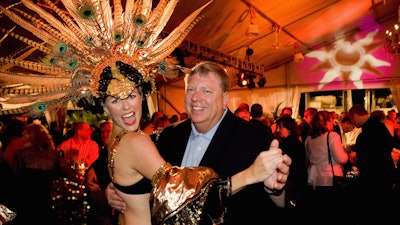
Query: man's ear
[225, 98]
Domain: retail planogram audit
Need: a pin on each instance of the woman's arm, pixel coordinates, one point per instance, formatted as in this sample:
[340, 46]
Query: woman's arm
[270, 167]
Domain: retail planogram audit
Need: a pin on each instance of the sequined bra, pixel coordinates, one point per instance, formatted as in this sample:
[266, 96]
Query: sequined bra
[141, 187]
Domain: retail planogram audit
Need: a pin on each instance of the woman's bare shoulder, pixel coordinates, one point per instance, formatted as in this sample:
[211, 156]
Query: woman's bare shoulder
[133, 137]
[133, 141]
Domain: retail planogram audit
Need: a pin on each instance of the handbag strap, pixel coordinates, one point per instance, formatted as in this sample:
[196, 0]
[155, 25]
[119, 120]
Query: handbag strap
[329, 154]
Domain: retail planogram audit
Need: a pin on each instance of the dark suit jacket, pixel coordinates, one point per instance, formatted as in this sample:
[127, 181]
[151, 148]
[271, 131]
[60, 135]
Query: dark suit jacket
[233, 148]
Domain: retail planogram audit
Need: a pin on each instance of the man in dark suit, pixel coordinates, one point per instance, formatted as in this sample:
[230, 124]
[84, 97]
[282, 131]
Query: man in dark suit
[234, 146]
[215, 137]
[373, 147]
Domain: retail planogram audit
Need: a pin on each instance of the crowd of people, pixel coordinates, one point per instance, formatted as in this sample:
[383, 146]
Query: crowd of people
[49, 161]
[207, 165]
[363, 147]
[364, 143]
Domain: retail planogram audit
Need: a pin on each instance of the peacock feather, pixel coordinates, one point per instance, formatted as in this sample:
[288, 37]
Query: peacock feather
[69, 42]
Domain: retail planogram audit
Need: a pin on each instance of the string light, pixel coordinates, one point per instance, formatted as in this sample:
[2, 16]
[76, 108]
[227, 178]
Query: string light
[392, 44]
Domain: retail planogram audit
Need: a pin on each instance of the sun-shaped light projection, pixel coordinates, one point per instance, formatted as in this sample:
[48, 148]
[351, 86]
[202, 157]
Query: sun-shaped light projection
[347, 63]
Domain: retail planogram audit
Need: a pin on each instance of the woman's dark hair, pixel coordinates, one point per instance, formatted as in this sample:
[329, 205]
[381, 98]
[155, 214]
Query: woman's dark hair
[129, 72]
[289, 123]
[144, 88]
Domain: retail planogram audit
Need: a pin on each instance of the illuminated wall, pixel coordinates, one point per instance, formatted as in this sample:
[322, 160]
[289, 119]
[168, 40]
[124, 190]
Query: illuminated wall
[357, 62]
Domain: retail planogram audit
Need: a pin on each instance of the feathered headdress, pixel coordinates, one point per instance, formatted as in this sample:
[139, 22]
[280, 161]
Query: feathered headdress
[81, 39]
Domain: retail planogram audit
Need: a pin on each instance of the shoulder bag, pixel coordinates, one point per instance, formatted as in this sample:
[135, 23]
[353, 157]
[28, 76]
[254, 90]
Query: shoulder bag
[338, 181]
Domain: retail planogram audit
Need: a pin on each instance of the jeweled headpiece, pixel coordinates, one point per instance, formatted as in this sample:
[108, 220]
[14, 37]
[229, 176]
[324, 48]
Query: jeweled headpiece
[87, 48]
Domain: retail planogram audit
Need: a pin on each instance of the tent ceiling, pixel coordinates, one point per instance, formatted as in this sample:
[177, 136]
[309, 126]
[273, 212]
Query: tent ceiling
[285, 26]
[303, 25]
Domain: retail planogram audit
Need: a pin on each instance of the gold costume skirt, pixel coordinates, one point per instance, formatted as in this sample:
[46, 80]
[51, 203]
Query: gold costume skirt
[188, 195]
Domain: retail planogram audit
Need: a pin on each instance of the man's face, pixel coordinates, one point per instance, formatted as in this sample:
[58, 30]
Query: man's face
[85, 131]
[392, 116]
[307, 117]
[347, 126]
[204, 101]
[105, 132]
[356, 120]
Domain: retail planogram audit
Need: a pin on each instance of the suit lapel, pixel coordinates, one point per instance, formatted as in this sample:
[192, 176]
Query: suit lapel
[217, 147]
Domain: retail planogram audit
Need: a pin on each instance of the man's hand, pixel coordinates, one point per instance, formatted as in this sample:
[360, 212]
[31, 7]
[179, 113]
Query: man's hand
[114, 200]
[92, 180]
[277, 180]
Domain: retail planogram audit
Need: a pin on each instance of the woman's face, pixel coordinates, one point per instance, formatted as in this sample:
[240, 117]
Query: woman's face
[283, 131]
[125, 113]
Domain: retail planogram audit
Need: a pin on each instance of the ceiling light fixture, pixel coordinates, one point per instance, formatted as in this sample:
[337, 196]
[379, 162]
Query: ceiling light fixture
[251, 83]
[298, 56]
[253, 29]
[262, 81]
[242, 79]
[392, 44]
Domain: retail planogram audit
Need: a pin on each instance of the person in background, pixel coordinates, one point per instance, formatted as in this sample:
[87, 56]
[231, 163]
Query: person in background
[287, 133]
[321, 142]
[216, 138]
[305, 124]
[344, 126]
[391, 121]
[242, 113]
[36, 166]
[2, 126]
[121, 74]
[80, 148]
[97, 180]
[379, 115]
[12, 139]
[56, 132]
[71, 194]
[335, 120]
[374, 147]
[174, 118]
[150, 127]
[183, 116]
[161, 123]
[256, 114]
[244, 105]
[285, 111]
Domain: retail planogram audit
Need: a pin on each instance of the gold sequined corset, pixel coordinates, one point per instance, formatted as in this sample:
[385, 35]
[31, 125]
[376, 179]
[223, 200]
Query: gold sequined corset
[113, 151]
[141, 187]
